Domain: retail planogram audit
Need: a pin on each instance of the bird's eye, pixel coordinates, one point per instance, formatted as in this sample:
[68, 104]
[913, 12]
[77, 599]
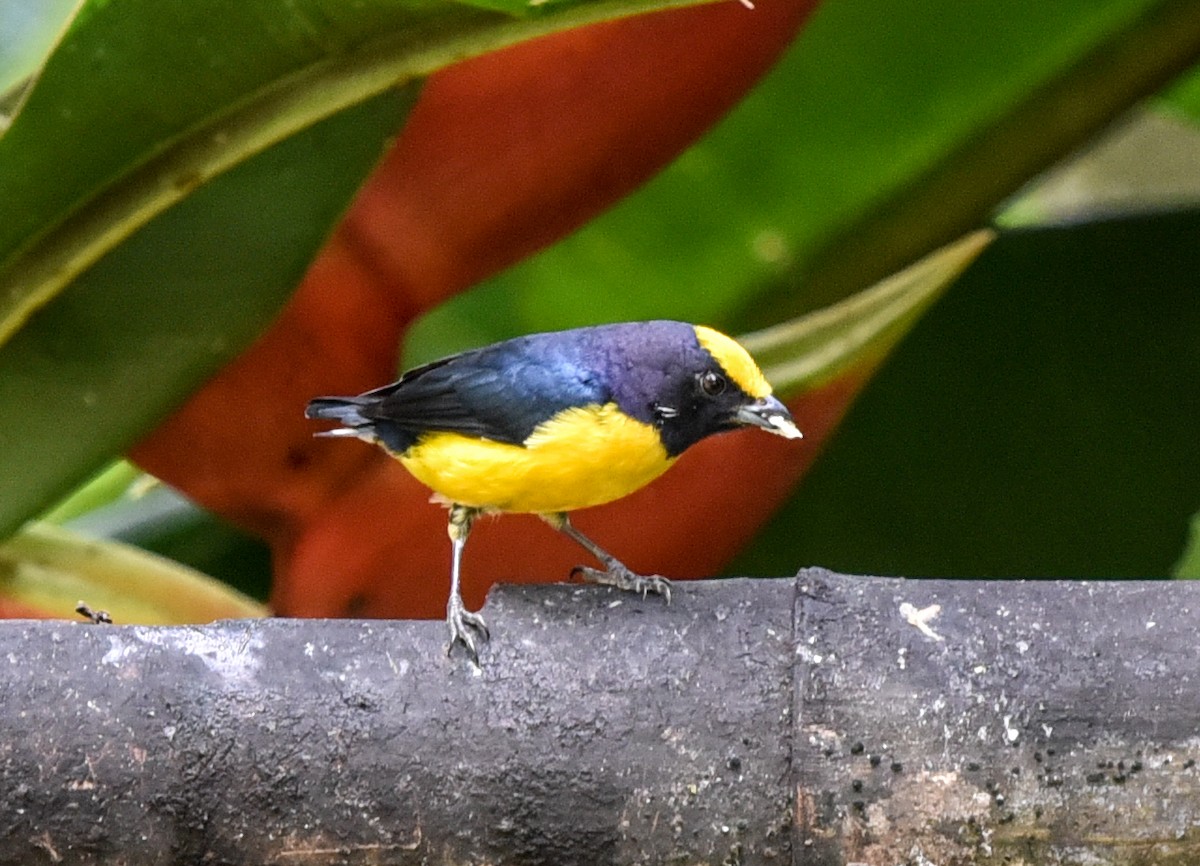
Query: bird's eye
[712, 383]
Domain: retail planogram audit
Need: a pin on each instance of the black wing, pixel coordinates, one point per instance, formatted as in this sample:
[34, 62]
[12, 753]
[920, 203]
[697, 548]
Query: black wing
[502, 392]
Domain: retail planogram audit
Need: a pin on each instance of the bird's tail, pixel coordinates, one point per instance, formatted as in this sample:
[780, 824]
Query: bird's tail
[347, 411]
[358, 422]
[344, 410]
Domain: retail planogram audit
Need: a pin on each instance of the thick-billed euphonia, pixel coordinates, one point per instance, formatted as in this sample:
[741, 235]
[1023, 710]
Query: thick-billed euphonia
[549, 423]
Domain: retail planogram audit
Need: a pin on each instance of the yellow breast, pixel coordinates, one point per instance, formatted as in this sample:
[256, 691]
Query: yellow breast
[579, 458]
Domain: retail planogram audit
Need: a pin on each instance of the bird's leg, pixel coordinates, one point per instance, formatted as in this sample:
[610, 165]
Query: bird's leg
[463, 624]
[615, 572]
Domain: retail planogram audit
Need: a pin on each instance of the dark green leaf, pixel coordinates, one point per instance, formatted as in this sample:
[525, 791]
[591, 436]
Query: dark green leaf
[820, 346]
[1184, 96]
[1188, 566]
[152, 319]
[29, 28]
[1040, 421]
[145, 100]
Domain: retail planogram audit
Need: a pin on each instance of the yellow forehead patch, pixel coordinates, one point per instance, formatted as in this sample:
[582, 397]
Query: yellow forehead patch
[735, 361]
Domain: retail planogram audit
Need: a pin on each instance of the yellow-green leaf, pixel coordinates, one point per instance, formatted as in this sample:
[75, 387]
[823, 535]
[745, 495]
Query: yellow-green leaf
[51, 570]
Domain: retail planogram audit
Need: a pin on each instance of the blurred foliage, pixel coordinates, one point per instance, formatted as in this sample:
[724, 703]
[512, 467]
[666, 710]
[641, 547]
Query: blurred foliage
[1188, 566]
[163, 522]
[1039, 422]
[28, 31]
[817, 184]
[1184, 95]
[167, 173]
[998, 442]
[261, 122]
[124, 343]
[47, 569]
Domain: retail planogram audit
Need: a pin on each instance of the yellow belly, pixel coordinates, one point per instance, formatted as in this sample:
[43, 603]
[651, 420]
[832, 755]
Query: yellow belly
[579, 458]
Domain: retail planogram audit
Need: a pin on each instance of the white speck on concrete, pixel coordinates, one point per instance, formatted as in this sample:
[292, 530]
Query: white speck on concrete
[921, 618]
[1011, 734]
[119, 649]
[808, 656]
[233, 658]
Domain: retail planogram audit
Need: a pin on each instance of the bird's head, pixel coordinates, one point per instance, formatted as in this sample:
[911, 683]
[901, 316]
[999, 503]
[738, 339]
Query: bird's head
[715, 389]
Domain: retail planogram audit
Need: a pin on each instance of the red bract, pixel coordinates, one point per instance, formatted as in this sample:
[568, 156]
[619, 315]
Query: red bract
[10, 609]
[502, 155]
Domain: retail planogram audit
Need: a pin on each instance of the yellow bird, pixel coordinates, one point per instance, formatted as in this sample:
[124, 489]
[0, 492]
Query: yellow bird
[550, 423]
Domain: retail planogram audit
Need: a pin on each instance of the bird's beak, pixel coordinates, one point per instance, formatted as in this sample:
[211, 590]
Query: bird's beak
[772, 416]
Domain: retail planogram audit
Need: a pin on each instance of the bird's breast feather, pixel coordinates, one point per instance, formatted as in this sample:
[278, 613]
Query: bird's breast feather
[583, 456]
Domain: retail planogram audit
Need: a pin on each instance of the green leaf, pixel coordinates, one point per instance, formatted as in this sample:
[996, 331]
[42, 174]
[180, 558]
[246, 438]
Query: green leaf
[166, 182]
[29, 29]
[149, 322]
[122, 124]
[110, 484]
[158, 519]
[1039, 421]
[1150, 162]
[51, 570]
[816, 348]
[1183, 98]
[1188, 566]
[889, 129]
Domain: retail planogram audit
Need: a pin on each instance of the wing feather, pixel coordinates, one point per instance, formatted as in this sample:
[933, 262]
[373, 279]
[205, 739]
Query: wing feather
[501, 392]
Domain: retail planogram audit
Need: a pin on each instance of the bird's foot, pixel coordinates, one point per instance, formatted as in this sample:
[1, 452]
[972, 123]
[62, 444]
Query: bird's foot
[619, 575]
[467, 629]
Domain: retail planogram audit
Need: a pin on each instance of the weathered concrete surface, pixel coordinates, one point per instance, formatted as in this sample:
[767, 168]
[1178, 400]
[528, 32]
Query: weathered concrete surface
[760, 722]
[1037, 723]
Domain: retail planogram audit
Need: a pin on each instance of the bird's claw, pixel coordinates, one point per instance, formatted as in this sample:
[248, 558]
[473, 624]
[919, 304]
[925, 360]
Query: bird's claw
[622, 578]
[467, 629]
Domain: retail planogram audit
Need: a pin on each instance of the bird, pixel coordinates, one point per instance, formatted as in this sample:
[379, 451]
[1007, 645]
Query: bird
[553, 422]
